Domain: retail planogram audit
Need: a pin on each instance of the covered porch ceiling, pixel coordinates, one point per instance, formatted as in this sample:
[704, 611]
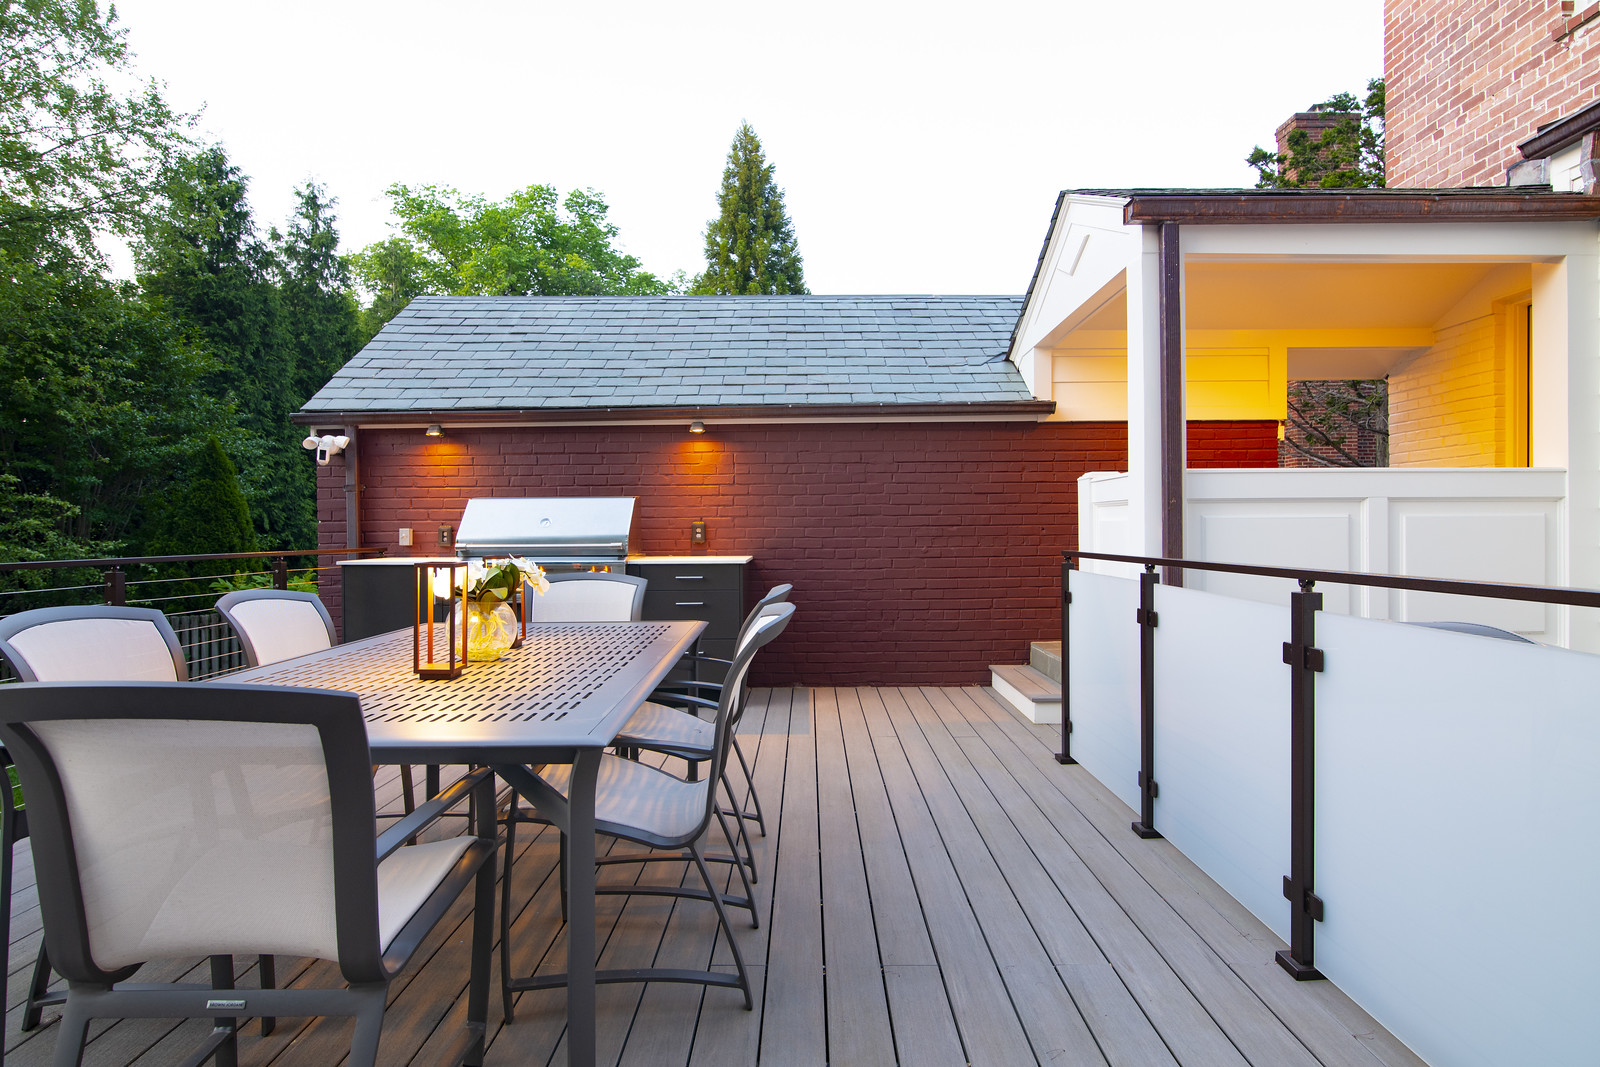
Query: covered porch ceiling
[1356, 318]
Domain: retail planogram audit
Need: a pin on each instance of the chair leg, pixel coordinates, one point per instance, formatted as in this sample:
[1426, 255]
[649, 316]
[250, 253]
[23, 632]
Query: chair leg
[227, 1054]
[722, 920]
[750, 898]
[38, 990]
[369, 1025]
[505, 912]
[72, 1034]
[408, 794]
[761, 820]
[749, 854]
[268, 973]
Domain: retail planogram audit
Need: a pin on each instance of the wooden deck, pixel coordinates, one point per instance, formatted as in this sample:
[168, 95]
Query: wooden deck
[934, 890]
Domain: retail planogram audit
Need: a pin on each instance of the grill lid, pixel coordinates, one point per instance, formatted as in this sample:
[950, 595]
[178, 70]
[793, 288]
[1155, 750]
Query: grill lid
[589, 527]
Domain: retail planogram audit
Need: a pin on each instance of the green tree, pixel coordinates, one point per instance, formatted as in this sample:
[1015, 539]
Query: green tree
[76, 156]
[104, 393]
[534, 243]
[315, 289]
[204, 260]
[205, 511]
[750, 245]
[1348, 155]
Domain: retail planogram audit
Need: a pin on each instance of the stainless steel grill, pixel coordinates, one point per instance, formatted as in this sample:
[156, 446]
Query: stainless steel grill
[558, 533]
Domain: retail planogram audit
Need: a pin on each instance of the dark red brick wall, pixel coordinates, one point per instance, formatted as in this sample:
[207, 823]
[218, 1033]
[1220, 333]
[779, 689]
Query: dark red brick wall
[920, 553]
[1467, 82]
[1233, 444]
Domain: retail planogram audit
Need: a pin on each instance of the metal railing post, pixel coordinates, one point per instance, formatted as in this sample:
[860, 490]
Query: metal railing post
[1305, 660]
[1148, 790]
[1065, 755]
[116, 586]
[280, 573]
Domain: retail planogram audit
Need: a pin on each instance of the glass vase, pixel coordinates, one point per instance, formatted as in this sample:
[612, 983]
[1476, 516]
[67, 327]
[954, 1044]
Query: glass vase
[490, 630]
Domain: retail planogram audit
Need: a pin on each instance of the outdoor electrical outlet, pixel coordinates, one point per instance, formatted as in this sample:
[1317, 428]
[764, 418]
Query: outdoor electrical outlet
[405, 535]
[447, 536]
[697, 533]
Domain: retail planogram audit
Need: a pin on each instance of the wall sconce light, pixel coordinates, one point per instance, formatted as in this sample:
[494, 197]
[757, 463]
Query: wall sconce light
[326, 447]
[697, 426]
[434, 430]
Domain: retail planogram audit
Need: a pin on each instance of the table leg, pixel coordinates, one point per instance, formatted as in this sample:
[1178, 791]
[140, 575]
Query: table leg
[580, 910]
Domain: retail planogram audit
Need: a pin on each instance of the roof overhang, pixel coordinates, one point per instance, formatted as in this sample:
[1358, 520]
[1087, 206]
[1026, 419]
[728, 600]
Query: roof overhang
[991, 411]
[1555, 136]
[1487, 204]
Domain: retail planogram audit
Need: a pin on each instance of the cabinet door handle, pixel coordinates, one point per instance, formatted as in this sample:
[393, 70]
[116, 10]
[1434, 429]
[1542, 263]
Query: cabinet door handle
[689, 604]
[689, 577]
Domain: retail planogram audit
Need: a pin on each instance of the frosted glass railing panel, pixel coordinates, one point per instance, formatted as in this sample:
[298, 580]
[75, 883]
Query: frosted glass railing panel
[1103, 665]
[1222, 743]
[1457, 800]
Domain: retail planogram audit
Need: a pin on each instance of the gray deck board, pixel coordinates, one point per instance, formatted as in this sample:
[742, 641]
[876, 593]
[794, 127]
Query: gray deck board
[934, 889]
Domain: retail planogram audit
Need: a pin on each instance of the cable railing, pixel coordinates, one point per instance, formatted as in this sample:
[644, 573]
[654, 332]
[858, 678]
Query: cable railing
[169, 584]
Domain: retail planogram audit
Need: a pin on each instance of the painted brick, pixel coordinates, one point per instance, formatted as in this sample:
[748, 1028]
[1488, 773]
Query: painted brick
[920, 553]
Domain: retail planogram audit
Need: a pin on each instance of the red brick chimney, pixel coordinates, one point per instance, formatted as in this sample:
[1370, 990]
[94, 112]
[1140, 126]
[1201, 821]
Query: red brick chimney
[1315, 123]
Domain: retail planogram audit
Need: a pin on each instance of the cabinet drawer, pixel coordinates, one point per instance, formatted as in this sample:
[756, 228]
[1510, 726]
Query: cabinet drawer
[721, 608]
[687, 576]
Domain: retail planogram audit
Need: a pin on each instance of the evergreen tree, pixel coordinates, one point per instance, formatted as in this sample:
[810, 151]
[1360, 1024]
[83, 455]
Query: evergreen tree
[315, 288]
[206, 511]
[1347, 155]
[750, 245]
[204, 260]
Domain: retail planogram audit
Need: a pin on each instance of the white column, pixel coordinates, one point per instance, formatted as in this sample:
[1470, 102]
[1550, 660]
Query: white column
[1144, 397]
[1564, 398]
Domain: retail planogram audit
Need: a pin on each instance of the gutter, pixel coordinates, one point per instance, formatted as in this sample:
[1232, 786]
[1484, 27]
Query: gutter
[978, 411]
[1497, 205]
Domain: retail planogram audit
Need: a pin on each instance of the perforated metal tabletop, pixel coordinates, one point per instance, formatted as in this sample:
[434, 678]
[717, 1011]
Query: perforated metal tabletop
[570, 686]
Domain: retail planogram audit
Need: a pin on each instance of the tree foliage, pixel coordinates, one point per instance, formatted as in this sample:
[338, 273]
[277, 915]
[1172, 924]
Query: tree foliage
[750, 245]
[1348, 155]
[75, 155]
[534, 243]
[316, 291]
[1329, 420]
[205, 261]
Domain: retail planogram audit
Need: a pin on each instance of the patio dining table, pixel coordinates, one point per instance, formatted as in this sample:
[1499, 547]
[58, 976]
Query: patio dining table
[560, 698]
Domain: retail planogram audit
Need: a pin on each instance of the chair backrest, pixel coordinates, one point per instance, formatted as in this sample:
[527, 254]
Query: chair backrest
[778, 594]
[589, 597]
[277, 624]
[183, 820]
[92, 643]
[771, 621]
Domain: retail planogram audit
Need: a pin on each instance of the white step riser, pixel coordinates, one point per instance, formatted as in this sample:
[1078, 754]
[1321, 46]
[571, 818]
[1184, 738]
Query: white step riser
[1041, 711]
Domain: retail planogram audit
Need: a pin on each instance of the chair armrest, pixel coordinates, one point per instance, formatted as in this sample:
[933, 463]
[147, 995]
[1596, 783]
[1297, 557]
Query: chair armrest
[426, 813]
[681, 701]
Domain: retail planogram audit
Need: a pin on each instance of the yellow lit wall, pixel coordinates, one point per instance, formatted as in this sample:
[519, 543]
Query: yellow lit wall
[1462, 403]
[1229, 377]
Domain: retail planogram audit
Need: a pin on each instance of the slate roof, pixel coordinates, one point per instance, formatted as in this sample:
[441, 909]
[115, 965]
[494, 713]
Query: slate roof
[459, 354]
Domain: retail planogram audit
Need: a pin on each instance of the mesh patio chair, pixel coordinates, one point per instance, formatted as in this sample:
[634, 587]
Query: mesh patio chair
[598, 596]
[666, 814]
[94, 642]
[280, 624]
[181, 821]
[671, 724]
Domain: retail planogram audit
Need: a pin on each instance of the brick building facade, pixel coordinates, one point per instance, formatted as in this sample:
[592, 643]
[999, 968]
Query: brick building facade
[920, 552]
[1468, 82]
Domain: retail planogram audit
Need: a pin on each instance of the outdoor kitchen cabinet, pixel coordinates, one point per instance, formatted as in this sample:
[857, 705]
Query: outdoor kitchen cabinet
[710, 588]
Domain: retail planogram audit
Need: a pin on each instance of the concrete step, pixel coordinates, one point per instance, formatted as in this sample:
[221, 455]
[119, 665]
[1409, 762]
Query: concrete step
[1030, 691]
[1045, 657]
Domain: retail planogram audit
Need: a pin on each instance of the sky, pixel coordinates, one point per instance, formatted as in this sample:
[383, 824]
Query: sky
[920, 146]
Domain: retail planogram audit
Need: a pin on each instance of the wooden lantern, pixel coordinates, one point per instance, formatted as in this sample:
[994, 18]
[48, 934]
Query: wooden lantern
[432, 667]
